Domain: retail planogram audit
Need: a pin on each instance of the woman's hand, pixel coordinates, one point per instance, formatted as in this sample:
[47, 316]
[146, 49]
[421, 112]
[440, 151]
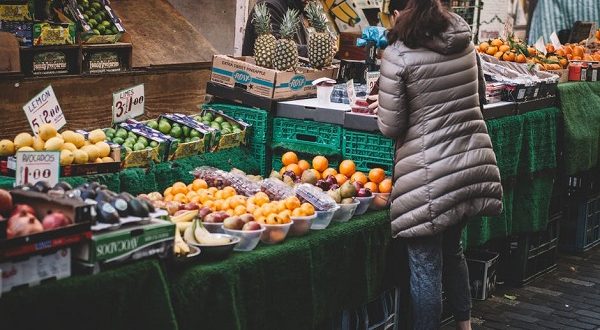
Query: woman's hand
[373, 101]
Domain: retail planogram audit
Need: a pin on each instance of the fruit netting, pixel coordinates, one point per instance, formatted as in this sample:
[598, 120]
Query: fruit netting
[134, 296]
[580, 105]
[295, 285]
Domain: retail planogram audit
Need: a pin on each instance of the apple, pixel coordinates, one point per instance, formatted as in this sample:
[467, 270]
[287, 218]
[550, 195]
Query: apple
[234, 223]
[203, 212]
[22, 207]
[6, 202]
[172, 207]
[251, 226]
[191, 206]
[331, 180]
[247, 218]
[55, 220]
[357, 185]
[364, 192]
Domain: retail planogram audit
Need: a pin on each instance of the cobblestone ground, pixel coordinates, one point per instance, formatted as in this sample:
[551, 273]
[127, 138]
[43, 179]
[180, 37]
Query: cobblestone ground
[567, 298]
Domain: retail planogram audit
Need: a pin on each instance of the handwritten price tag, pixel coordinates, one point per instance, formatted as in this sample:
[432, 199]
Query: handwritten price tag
[34, 166]
[350, 90]
[128, 103]
[44, 109]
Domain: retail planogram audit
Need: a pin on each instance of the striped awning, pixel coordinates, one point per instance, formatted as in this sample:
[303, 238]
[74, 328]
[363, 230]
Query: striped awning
[555, 15]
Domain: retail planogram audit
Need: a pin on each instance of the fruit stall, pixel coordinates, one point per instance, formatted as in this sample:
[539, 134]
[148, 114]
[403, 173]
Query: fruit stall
[266, 206]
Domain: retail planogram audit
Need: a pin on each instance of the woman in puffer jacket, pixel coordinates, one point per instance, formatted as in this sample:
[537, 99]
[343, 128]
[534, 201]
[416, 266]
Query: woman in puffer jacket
[445, 168]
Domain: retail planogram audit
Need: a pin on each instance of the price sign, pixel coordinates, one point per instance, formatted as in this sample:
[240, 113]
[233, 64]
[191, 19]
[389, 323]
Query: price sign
[34, 166]
[44, 109]
[128, 103]
[350, 90]
[372, 78]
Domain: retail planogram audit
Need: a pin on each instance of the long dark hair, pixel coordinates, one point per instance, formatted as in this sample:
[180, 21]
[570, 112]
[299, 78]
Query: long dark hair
[418, 21]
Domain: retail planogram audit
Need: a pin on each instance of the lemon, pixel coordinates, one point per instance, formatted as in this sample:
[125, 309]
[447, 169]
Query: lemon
[38, 144]
[107, 160]
[54, 144]
[80, 157]
[96, 136]
[25, 149]
[23, 140]
[69, 146]
[47, 132]
[103, 148]
[92, 152]
[69, 136]
[7, 148]
[78, 140]
[66, 157]
[98, 160]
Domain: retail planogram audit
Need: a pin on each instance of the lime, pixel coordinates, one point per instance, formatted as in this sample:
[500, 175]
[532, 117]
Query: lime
[131, 141]
[195, 133]
[219, 119]
[92, 22]
[225, 131]
[236, 130]
[153, 144]
[115, 30]
[176, 125]
[128, 144]
[100, 28]
[139, 146]
[164, 127]
[110, 132]
[208, 116]
[106, 23]
[206, 122]
[234, 126]
[153, 124]
[81, 9]
[143, 141]
[86, 17]
[89, 14]
[85, 3]
[121, 132]
[132, 135]
[225, 124]
[194, 138]
[128, 149]
[175, 132]
[118, 140]
[215, 125]
[96, 5]
[96, 32]
[92, 10]
[198, 118]
[186, 131]
[186, 140]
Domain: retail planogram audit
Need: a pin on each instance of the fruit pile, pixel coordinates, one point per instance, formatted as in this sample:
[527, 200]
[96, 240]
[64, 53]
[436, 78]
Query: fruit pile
[23, 219]
[129, 140]
[516, 50]
[218, 122]
[327, 178]
[96, 16]
[73, 146]
[176, 130]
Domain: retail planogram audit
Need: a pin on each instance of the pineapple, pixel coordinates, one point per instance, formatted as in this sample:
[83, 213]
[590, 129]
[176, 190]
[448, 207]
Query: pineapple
[286, 51]
[320, 52]
[264, 46]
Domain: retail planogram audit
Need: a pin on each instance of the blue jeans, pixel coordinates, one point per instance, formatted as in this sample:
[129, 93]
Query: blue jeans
[429, 258]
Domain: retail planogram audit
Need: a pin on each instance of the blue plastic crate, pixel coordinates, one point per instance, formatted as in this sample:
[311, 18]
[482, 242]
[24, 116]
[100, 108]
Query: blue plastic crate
[580, 228]
[368, 150]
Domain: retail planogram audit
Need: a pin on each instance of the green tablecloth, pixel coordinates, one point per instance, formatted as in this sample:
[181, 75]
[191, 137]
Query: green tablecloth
[580, 105]
[161, 176]
[295, 285]
[135, 296]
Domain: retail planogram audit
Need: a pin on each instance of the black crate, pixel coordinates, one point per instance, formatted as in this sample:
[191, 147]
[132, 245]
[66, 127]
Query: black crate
[447, 316]
[71, 53]
[581, 224]
[530, 255]
[106, 58]
[380, 314]
[482, 273]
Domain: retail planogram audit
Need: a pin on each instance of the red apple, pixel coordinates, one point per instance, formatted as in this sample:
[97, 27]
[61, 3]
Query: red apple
[22, 207]
[23, 224]
[251, 226]
[191, 206]
[357, 185]
[6, 202]
[55, 220]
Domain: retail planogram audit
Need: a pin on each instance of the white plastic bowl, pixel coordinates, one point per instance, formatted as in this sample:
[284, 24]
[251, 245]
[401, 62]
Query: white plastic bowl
[345, 212]
[381, 201]
[214, 227]
[323, 218]
[301, 225]
[365, 203]
[248, 238]
[274, 234]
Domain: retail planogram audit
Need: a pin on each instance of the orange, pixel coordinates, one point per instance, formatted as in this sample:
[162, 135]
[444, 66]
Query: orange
[550, 48]
[560, 52]
[271, 219]
[261, 198]
[376, 175]
[250, 208]
[294, 168]
[239, 210]
[210, 205]
[509, 57]
[568, 50]
[497, 42]
[285, 214]
[289, 158]
[304, 165]
[180, 198]
[521, 58]
[260, 219]
[196, 199]
[268, 209]
[257, 213]
[191, 194]
[168, 191]
[341, 179]
[492, 50]
[190, 187]
[307, 209]
[281, 219]
[504, 48]
[229, 213]
[199, 184]
[168, 198]
[316, 173]
[385, 186]
[229, 191]
[372, 186]
[292, 203]
[329, 171]
[320, 163]
[483, 47]
[498, 55]
[588, 57]
[251, 200]
[360, 177]
[578, 51]
[532, 51]
[298, 212]
[220, 195]
[347, 168]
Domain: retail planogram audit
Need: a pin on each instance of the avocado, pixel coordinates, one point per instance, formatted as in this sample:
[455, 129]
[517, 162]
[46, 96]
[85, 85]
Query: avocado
[87, 194]
[107, 213]
[149, 205]
[126, 196]
[121, 206]
[138, 209]
[102, 196]
[63, 186]
[41, 186]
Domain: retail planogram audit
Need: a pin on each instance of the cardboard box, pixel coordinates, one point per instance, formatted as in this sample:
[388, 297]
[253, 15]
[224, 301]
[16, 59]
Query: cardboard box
[78, 211]
[16, 11]
[53, 60]
[87, 33]
[128, 243]
[106, 58]
[35, 269]
[53, 34]
[228, 140]
[143, 158]
[243, 73]
[181, 149]
[482, 273]
[312, 109]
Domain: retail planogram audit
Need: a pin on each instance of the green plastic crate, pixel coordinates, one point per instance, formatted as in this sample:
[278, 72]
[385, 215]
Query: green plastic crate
[262, 153]
[260, 119]
[307, 133]
[368, 150]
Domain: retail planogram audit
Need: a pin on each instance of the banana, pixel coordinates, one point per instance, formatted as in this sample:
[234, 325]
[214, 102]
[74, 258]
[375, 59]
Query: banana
[204, 237]
[188, 235]
[185, 216]
[182, 226]
[180, 246]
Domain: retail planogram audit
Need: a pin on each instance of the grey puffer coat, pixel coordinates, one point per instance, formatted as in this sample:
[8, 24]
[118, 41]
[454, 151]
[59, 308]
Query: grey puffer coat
[445, 168]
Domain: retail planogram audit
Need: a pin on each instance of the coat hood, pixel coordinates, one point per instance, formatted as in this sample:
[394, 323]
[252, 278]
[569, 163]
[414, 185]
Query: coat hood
[456, 38]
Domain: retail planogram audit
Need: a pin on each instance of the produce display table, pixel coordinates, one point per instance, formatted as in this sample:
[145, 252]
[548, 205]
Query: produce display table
[295, 285]
[132, 296]
[161, 176]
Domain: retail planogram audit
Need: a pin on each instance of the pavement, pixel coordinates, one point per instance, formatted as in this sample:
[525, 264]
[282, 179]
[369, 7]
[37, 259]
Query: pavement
[567, 298]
